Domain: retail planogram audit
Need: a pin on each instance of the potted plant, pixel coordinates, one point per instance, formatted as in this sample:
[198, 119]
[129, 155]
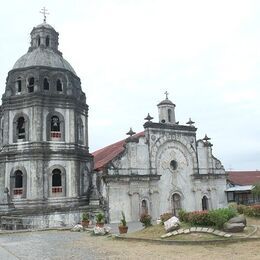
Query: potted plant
[100, 217]
[85, 219]
[122, 226]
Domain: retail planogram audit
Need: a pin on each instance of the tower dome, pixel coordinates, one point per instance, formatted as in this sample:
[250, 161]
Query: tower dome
[43, 50]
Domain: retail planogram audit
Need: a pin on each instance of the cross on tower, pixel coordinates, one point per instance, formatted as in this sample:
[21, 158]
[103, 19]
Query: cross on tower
[166, 94]
[44, 11]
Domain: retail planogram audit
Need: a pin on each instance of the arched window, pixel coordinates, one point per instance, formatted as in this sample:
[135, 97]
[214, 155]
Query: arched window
[46, 84]
[58, 85]
[169, 115]
[144, 207]
[31, 84]
[38, 40]
[55, 124]
[205, 203]
[55, 128]
[80, 129]
[56, 181]
[47, 41]
[18, 183]
[20, 128]
[19, 85]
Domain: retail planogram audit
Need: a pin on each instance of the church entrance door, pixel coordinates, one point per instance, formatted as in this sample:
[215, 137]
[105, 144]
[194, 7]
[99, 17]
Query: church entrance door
[176, 204]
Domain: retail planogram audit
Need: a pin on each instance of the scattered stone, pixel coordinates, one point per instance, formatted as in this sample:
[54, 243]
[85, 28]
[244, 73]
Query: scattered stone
[239, 219]
[227, 235]
[166, 235]
[180, 231]
[186, 231]
[158, 221]
[216, 232]
[233, 227]
[198, 229]
[101, 231]
[192, 229]
[172, 224]
[77, 228]
[221, 234]
[174, 233]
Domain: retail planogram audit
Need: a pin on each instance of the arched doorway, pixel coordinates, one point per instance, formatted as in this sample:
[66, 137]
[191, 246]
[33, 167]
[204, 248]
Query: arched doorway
[144, 207]
[205, 203]
[176, 204]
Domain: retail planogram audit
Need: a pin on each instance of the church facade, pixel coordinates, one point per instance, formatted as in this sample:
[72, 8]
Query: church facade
[45, 164]
[162, 169]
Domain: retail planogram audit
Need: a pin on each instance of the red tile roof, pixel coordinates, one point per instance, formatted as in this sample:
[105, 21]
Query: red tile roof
[105, 155]
[244, 177]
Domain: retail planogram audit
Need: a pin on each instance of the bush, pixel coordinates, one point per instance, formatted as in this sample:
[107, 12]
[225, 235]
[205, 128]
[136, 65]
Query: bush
[219, 216]
[146, 219]
[183, 215]
[233, 205]
[199, 218]
[165, 216]
[256, 210]
[251, 211]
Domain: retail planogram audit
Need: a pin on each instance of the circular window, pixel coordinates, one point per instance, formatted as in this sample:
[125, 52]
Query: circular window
[174, 164]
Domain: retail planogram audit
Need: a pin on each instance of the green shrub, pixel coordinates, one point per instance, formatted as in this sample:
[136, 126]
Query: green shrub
[199, 218]
[251, 211]
[256, 210]
[183, 215]
[146, 220]
[165, 216]
[219, 216]
[233, 205]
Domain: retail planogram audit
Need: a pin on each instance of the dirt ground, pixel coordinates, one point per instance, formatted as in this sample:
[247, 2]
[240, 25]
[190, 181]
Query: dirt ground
[115, 249]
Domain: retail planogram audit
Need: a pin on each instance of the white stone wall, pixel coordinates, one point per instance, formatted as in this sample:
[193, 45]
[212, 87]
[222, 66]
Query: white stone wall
[165, 146]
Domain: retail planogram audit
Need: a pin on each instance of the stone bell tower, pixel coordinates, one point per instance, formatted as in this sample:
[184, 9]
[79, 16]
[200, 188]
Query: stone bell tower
[44, 158]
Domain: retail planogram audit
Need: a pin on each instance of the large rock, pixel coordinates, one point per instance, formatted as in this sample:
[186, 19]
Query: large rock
[172, 224]
[238, 219]
[233, 227]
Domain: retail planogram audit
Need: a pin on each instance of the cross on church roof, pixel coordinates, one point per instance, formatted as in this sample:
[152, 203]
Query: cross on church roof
[166, 94]
[44, 11]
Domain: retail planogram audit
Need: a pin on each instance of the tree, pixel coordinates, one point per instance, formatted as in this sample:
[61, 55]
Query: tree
[256, 190]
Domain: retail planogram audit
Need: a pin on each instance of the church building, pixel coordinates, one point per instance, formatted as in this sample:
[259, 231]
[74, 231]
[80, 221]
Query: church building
[47, 175]
[162, 169]
[45, 164]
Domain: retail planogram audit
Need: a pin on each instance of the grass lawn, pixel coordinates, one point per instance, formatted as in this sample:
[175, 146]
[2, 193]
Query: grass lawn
[155, 232]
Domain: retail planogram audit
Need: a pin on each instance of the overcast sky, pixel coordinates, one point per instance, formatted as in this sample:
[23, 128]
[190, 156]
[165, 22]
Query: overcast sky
[206, 54]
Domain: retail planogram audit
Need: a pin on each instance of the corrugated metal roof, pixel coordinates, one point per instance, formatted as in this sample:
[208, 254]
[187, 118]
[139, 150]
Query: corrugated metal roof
[241, 188]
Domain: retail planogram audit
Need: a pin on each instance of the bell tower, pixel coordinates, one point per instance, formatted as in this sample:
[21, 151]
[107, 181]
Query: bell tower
[166, 111]
[45, 162]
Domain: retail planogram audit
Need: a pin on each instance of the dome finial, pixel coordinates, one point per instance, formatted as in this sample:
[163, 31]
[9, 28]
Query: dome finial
[166, 94]
[44, 11]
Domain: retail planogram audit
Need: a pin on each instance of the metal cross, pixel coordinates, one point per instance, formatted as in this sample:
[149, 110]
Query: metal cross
[44, 11]
[166, 93]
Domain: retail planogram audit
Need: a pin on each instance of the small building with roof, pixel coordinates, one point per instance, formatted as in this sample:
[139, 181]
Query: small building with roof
[240, 185]
[162, 169]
